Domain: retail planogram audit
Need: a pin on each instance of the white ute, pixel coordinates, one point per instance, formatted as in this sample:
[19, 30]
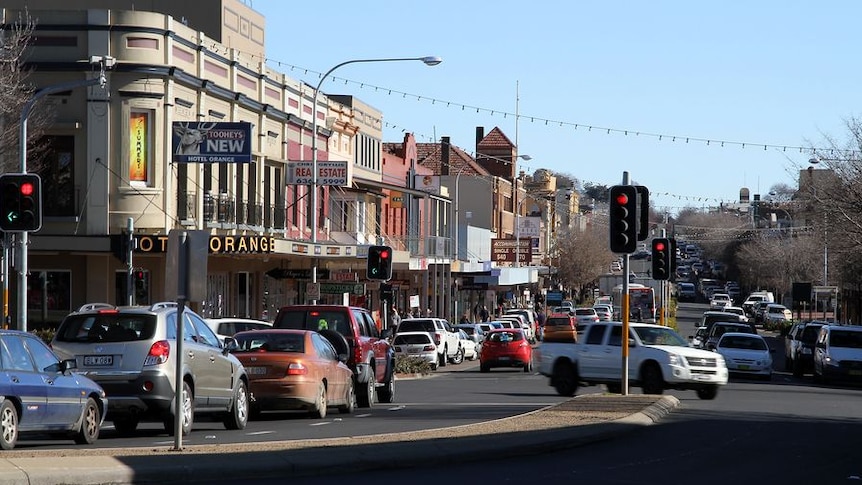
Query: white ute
[659, 359]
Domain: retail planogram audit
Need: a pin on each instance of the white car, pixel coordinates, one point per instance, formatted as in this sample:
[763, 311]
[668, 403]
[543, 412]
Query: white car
[746, 353]
[416, 344]
[228, 326]
[586, 315]
[737, 310]
[468, 345]
[776, 316]
[605, 312]
[719, 301]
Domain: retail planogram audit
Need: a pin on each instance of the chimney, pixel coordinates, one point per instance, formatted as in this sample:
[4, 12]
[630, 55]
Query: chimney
[444, 156]
[480, 134]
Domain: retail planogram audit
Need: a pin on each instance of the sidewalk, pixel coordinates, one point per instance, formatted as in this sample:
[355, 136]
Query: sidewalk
[580, 420]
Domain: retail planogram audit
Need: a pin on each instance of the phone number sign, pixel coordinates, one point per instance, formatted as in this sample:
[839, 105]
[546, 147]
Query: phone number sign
[328, 173]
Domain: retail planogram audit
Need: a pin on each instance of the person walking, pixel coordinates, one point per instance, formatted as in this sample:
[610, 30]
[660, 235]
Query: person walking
[394, 318]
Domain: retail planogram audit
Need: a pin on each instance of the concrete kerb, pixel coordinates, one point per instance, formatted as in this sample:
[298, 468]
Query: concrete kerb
[547, 429]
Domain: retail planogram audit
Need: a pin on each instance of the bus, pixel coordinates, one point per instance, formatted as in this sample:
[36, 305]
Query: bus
[641, 303]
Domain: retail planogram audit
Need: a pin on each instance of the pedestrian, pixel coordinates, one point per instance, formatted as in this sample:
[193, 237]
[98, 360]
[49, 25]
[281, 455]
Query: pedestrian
[483, 314]
[464, 319]
[428, 312]
[394, 318]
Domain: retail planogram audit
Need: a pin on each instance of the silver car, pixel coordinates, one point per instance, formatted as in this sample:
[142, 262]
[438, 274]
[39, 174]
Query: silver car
[131, 353]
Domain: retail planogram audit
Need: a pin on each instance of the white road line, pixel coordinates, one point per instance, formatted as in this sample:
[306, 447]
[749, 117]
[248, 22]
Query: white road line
[320, 424]
[257, 433]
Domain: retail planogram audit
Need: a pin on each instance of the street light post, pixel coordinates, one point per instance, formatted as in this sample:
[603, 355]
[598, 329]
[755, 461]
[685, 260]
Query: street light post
[428, 60]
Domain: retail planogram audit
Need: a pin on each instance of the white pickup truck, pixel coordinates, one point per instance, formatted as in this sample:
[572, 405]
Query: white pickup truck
[659, 359]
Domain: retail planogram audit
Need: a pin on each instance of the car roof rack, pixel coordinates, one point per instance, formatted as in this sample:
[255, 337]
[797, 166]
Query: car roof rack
[94, 306]
[163, 304]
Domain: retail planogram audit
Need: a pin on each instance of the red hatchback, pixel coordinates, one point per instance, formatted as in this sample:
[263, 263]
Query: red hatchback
[506, 347]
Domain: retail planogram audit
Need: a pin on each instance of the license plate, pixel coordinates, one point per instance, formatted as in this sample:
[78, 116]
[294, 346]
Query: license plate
[743, 367]
[504, 358]
[256, 370]
[412, 351]
[98, 360]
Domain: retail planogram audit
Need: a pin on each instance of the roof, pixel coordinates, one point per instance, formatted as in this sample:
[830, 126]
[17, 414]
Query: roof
[429, 156]
[495, 139]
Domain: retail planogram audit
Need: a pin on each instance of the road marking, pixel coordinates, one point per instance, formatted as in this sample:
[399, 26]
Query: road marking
[363, 415]
[320, 424]
[257, 433]
[396, 408]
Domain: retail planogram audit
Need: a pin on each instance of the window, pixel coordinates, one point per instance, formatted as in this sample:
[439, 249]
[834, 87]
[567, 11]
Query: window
[140, 145]
[15, 355]
[616, 336]
[596, 334]
[49, 291]
[57, 172]
[45, 359]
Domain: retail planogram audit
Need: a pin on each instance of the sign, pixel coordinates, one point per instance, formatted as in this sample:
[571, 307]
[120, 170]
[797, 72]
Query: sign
[297, 274]
[427, 183]
[357, 289]
[396, 199]
[504, 250]
[529, 226]
[344, 276]
[139, 142]
[217, 244]
[312, 291]
[211, 142]
[414, 301]
[328, 173]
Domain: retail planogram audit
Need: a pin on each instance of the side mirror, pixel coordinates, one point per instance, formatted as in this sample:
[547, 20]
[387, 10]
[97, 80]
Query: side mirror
[343, 358]
[386, 333]
[229, 345]
[68, 365]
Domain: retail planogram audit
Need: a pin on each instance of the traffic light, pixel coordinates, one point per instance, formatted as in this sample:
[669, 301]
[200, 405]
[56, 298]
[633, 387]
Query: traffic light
[379, 263]
[623, 215]
[661, 258]
[142, 290]
[21, 202]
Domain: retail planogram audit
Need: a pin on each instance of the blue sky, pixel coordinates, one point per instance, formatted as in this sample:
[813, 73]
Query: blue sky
[774, 73]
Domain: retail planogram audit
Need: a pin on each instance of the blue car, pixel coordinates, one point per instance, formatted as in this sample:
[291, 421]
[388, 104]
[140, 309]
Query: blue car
[40, 394]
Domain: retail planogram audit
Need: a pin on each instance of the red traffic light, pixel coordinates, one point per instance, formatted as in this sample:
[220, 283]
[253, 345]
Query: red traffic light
[659, 246]
[27, 189]
[622, 199]
[384, 254]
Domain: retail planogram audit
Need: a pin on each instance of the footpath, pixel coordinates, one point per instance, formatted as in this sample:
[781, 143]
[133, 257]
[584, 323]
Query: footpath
[576, 422]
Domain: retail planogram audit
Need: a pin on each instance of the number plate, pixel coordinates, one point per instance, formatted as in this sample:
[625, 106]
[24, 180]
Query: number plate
[98, 360]
[743, 367]
[256, 370]
[504, 358]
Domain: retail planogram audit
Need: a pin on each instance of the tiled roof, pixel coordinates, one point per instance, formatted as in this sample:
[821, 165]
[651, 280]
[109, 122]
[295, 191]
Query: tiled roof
[429, 155]
[495, 139]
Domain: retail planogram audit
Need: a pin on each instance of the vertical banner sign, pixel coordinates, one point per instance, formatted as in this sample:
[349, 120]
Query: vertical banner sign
[138, 137]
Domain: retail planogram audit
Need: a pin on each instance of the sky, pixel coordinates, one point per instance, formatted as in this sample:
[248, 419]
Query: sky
[694, 100]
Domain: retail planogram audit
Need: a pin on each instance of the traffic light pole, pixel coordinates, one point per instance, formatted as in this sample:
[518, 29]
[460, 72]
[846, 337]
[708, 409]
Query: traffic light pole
[24, 237]
[130, 267]
[625, 310]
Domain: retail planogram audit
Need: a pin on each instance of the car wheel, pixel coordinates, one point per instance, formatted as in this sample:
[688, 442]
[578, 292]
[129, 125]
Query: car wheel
[186, 412]
[652, 380]
[458, 357]
[350, 405]
[365, 398]
[386, 394]
[89, 431]
[528, 367]
[125, 426]
[443, 359]
[708, 392]
[484, 368]
[8, 425]
[615, 388]
[319, 409]
[564, 379]
[237, 417]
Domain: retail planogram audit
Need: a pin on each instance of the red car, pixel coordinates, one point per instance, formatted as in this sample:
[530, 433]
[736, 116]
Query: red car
[295, 369]
[506, 347]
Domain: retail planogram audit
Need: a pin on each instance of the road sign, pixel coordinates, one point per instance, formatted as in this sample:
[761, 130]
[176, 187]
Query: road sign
[312, 291]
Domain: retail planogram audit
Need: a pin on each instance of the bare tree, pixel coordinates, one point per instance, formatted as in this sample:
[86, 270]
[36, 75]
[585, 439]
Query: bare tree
[15, 92]
[581, 256]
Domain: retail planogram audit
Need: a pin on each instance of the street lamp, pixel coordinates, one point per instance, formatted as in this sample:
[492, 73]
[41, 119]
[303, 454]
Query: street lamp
[428, 60]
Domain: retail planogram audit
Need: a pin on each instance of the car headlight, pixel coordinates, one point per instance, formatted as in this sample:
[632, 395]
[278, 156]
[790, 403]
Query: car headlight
[831, 361]
[676, 359]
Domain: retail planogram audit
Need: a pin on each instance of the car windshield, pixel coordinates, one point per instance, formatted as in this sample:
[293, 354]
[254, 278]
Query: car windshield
[262, 341]
[413, 325]
[660, 336]
[846, 338]
[315, 320]
[107, 327]
[739, 342]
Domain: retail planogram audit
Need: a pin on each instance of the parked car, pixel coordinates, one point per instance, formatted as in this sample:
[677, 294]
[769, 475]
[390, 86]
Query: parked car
[473, 330]
[43, 395]
[228, 326]
[469, 347]
[370, 356]
[506, 348]
[131, 352]
[528, 314]
[838, 354]
[802, 350]
[295, 369]
[416, 344]
[746, 353]
[520, 322]
[444, 336]
[488, 326]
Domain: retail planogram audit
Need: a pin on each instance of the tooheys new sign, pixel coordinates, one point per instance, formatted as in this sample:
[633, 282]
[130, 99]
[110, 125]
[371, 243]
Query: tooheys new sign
[211, 142]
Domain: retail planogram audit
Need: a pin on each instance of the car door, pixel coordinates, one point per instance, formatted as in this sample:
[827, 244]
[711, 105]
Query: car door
[24, 382]
[328, 360]
[610, 364]
[63, 394]
[592, 349]
[217, 369]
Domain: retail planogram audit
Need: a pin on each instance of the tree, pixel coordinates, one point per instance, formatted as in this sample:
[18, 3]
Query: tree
[581, 256]
[15, 92]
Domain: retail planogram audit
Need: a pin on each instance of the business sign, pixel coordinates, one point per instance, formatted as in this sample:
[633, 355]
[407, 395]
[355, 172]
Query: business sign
[505, 250]
[328, 173]
[427, 183]
[339, 288]
[211, 142]
[216, 245]
[529, 226]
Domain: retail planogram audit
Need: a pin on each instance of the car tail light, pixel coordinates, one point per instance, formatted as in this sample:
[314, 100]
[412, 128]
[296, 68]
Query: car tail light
[429, 348]
[297, 369]
[159, 353]
[437, 338]
[398, 348]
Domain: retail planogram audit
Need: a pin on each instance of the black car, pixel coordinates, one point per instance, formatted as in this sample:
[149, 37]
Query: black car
[803, 360]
